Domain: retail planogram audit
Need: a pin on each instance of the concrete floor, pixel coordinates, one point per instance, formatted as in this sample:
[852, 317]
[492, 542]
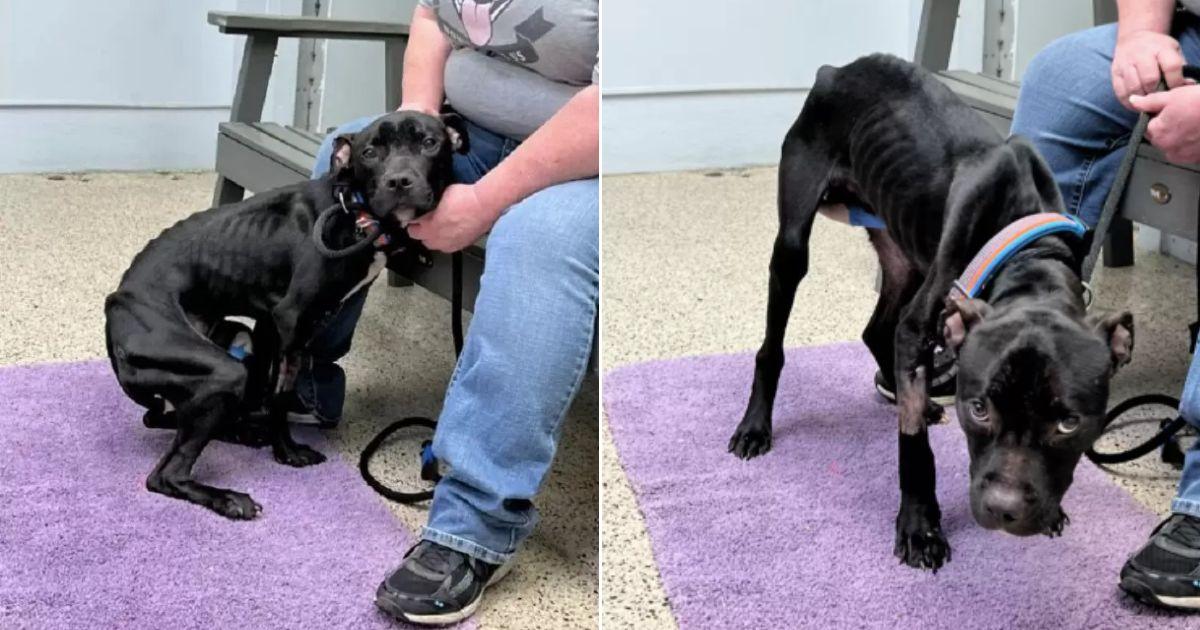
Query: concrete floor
[64, 241]
[685, 273]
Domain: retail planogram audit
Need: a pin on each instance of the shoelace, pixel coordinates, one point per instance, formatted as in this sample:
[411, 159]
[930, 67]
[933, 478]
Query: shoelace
[437, 558]
[1186, 531]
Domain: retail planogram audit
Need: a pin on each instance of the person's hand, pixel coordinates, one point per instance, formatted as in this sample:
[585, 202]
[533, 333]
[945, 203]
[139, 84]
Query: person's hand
[1175, 127]
[418, 107]
[458, 220]
[1139, 59]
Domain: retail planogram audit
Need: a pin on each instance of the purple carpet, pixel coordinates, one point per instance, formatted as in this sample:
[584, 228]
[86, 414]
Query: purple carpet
[802, 537]
[84, 545]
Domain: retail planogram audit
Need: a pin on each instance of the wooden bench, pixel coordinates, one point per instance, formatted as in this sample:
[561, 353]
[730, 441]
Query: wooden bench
[1160, 194]
[256, 156]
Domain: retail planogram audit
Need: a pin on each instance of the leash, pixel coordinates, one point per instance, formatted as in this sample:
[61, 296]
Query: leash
[367, 226]
[429, 464]
[1165, 437]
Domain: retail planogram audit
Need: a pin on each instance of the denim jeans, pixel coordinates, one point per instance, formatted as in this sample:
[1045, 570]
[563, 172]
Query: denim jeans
[523, 360]
[1068, 109]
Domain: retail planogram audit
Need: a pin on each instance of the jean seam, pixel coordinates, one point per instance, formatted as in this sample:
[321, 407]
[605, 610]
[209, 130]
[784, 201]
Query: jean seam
[1185, 506]
[462, 545]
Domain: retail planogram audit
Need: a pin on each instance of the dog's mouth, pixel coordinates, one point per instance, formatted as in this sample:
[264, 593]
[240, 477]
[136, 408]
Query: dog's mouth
[404, 216]
[1048, 520]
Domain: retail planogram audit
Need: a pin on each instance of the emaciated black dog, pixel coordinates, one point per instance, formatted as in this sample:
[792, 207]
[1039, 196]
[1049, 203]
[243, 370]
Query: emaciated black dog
[1033, 368]
[257, 259]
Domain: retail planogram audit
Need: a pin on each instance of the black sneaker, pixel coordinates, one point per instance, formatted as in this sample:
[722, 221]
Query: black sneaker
[1166, 571]
[437, 585]
[941, 390]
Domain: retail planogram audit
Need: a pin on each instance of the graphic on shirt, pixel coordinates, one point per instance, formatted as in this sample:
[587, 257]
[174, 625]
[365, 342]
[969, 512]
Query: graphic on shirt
[479, 18]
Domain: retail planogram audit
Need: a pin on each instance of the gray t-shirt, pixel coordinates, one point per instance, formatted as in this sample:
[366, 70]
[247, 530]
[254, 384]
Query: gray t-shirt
[517, 62]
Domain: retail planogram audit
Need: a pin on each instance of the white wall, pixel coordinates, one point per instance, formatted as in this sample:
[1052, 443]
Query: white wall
[718, 86]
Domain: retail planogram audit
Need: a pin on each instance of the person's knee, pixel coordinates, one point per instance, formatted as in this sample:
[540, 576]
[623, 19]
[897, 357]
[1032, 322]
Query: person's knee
[325, 152]
[1086, 53]
[549, 228]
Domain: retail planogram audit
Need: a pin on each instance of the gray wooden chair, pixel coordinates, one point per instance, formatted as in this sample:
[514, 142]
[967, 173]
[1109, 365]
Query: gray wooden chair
[1160, 194]
[256, 156]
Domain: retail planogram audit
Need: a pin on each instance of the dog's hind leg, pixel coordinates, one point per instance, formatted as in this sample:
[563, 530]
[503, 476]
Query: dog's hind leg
[803, 175]
[218, 398]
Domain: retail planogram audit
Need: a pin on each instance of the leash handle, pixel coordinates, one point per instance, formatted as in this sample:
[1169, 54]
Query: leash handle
[1164, 434]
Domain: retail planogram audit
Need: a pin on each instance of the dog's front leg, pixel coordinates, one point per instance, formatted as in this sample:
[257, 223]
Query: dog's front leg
[920, 542]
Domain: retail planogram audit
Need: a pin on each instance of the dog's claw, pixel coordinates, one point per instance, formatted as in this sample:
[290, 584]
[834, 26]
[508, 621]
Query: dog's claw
[1055, 529]
[237, 506]
[920, 542]
[748, 443]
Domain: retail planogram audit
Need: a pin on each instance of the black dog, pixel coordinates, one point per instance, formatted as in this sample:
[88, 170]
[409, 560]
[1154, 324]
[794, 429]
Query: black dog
[1033, 369]
[257, 258]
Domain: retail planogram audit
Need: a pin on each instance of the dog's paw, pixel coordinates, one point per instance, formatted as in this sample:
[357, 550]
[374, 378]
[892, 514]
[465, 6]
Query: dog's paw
[920, 542]
[235, 505]
[750, 440]
[298, 455]
[1055, 528]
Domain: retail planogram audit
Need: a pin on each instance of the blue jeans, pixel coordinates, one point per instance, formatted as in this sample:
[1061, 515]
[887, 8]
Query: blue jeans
[1068, 109]
[524, 357]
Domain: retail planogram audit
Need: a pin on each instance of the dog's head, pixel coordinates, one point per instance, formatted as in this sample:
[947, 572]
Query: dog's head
[400, 163]
[1032, 392]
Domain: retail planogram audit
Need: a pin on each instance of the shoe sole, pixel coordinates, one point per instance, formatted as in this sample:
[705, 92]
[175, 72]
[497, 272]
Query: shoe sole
[945, 401]
[385, 603]
[1143, 593]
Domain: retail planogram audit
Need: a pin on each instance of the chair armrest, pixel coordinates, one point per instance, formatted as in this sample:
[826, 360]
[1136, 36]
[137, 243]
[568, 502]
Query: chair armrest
[311, 27]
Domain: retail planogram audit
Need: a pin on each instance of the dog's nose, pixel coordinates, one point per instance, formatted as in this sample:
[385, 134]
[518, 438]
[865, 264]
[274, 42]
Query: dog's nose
[1006, 503]
[402, 181]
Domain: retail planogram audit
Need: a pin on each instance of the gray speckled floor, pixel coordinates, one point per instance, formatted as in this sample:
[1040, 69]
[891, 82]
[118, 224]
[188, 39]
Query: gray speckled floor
[685, 272]
[63, 245]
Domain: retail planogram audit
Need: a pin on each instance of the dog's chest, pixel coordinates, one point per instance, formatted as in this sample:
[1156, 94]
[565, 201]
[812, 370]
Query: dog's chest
[373, 272]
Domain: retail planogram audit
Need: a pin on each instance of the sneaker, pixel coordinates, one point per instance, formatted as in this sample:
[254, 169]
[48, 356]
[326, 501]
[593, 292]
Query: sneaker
[1166, 571]
[301, 414]
[941, 391]
[437, 585]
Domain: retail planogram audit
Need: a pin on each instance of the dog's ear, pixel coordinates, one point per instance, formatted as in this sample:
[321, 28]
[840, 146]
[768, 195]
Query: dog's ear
[1116, 329]
[456, 130]
[960, 316]
[339, 162]
[1039, 174]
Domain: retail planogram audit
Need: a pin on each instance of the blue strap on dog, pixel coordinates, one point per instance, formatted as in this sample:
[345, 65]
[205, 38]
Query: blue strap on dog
[860, 217]
[1006, 243]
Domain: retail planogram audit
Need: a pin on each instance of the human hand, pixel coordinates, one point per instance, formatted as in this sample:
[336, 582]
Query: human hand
[1139, 59]
[1175, 127]
[458, 220]
[419, 107]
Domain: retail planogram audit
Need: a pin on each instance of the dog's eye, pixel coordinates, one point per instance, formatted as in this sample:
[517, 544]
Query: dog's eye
[979, 411]
[368, 153]
[1068, 425]
[429, 142]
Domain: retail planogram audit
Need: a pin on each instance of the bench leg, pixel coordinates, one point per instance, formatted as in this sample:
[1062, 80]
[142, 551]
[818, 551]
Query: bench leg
[227, 192]
[1118, 246]
[395, 279]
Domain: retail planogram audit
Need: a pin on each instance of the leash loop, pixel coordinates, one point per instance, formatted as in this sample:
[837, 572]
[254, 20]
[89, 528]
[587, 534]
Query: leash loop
[318, 233]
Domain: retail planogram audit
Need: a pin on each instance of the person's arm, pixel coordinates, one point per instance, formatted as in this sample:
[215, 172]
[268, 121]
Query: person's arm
[1145, 51]
[565, 148]
[424, 63]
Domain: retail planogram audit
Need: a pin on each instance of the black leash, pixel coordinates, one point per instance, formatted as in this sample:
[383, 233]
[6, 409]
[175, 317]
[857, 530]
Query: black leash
[1167, 427]
[429, 465]
[318, 233]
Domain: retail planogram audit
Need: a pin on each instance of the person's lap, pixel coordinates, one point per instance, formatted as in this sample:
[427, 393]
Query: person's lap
[1068, 109]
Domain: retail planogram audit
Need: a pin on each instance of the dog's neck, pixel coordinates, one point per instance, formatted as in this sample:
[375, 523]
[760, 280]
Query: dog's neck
[1045, 273]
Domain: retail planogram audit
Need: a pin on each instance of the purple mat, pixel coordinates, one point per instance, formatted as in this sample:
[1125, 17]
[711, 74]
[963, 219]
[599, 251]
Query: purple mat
[84, 545]
[802, 537]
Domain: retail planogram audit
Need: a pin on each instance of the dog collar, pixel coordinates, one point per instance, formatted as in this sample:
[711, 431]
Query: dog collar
[364, 221]
[1005, 244]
